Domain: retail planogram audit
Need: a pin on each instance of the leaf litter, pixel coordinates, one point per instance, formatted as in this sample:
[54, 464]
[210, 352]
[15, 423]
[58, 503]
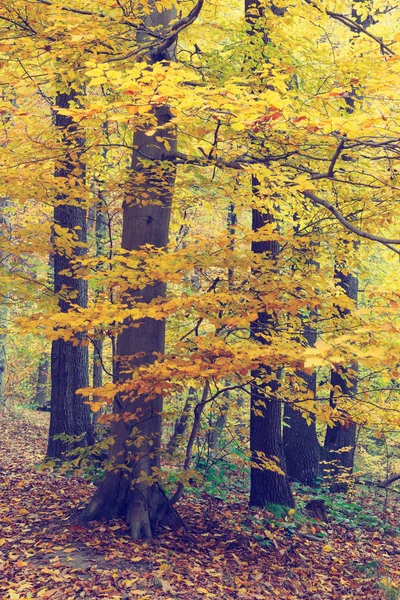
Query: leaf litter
[228, 550]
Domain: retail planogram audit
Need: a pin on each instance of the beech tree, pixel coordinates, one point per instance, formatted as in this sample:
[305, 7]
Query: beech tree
[70, 416]
[300, 442]
[146, 218]
[190, 128]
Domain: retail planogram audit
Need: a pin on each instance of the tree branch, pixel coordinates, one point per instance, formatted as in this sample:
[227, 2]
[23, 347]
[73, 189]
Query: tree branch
[360, 232]
[385, 48]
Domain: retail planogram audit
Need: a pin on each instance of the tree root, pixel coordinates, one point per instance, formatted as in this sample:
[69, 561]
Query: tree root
[145, 509]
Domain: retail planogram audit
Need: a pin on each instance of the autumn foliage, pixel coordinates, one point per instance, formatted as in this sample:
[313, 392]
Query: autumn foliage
[198, 213]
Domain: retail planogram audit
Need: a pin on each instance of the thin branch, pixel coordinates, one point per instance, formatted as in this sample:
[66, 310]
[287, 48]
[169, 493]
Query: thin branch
[352, 24]
[360, 232]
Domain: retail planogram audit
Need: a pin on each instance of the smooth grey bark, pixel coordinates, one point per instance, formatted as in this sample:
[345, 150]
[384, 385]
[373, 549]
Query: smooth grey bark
[300, 441]
[69, 362]
[42, 387]
[144, 506]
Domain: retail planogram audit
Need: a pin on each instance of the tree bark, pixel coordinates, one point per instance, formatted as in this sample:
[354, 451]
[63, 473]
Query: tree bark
[42, 381]
[124, 492]
[101, 233]
[342, 435]
[69, 362]
[300, 442]
[266, 486]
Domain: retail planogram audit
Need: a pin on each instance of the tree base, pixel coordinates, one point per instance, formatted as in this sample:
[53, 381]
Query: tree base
[146, 509]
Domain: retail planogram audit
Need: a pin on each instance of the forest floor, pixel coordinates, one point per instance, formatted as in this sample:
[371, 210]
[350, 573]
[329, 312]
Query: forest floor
[228, 550]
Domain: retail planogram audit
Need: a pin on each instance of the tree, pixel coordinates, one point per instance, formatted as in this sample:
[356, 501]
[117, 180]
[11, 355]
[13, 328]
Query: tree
[70, 416]
[269, 482]
[300, 442]
[41, 397]
[273, 111]
[136, 451]
[340, 440]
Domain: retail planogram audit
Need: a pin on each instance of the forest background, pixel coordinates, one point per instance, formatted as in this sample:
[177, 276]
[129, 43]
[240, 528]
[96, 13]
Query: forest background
[199, 248]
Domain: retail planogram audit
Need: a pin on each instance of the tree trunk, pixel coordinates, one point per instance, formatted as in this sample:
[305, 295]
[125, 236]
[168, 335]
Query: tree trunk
[342, 435]
[69, 362]
[266, 486]
[42, 381]
[101, 235]
[300, 442]
[125, 491]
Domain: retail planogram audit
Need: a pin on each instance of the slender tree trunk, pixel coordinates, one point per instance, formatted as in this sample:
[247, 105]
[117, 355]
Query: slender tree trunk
[101, 234]
[124, 492]
[266, 485]
[69, 362]
[342, 434]
[42, 381]
[300, 442]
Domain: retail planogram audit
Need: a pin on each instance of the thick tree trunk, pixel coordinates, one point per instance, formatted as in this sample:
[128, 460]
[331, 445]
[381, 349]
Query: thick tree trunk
[300, 442]
[266, 486]
[69, 362]
[126, 491]
[42, 387]
[341, 435]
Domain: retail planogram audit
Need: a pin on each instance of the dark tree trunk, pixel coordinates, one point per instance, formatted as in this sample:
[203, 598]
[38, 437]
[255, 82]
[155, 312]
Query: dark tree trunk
[42, 388]
[143, 504]
[300, 442]
[342, 434]
[266, 485]
[69, 362]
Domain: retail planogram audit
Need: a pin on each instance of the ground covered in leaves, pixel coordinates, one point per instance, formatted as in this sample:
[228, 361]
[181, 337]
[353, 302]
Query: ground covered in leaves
[228, 551]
